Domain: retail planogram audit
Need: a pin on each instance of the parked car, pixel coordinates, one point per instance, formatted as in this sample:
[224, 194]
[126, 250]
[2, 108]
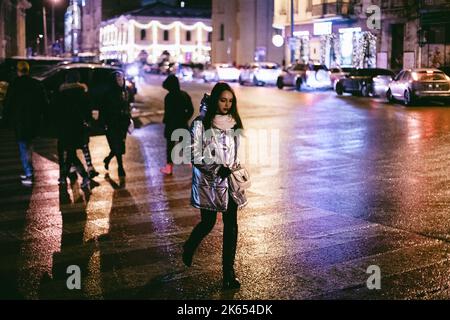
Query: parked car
[8, 71]
[380, 85]
[412, 85]
[113, 62]
[184, 72]
[221, 72]
[360, 81]
[96, 76]
[305, 76]
[338, 73]
[260, 73]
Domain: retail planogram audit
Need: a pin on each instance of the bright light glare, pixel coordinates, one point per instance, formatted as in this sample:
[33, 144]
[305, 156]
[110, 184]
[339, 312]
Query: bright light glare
[133, 71]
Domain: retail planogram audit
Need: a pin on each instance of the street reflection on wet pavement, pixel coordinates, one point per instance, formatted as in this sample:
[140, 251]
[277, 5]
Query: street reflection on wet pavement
[356, 182]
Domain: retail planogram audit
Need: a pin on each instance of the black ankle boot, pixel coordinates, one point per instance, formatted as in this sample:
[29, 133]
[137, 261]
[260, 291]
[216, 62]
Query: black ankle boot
[187, 256]
[229, 280]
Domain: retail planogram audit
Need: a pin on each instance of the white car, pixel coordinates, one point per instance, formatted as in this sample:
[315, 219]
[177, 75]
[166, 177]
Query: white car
[221, 72]
[305, 76]
[411, 85]
[260, 73]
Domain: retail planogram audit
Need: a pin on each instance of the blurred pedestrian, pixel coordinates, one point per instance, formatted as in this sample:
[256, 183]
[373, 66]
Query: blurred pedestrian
[211, 188]
[178, 109]
[73, 110]
[117, 116]
[25, 103]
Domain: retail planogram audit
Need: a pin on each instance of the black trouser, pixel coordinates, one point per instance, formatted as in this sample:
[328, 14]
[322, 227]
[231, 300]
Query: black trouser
[73, 160]
[230, 233]
[170, 145]
[68, 158]
[61, 157]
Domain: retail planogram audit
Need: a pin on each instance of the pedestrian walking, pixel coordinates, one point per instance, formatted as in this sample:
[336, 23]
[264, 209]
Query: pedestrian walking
[178, 109]
[116, 115]
[211, 186]
[25, 103]
[73, 110]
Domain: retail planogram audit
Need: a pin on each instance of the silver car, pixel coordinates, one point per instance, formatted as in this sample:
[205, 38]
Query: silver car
[260, 73]
[305, 76]
[412, 85]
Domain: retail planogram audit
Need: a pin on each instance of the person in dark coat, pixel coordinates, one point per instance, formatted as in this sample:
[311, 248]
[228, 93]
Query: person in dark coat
[178, 109]
[73, 110]
[116, 116]
[25, 103]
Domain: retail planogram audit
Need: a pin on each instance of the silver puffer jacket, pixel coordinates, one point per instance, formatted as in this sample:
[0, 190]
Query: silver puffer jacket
[211, 150]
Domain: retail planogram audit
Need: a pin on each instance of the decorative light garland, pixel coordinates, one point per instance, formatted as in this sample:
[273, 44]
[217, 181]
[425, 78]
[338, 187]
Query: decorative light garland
[364, 50]
[304, 48]
[116, 39]
[171, 25]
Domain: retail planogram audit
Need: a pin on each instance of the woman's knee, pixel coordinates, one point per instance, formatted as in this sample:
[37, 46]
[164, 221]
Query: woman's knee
[208, 220]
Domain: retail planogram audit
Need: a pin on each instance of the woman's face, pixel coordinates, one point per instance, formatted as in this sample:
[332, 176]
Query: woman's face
[225, 102]
[120, 80]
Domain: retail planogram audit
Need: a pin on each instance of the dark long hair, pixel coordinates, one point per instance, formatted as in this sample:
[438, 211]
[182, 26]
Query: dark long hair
[213, 105]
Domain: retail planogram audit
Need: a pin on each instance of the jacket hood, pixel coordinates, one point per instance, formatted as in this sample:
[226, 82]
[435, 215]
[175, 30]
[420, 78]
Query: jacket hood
[171, 83]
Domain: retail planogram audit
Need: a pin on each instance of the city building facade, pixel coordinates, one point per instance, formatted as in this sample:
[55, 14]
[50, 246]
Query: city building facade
[83, 19]
[392, 34]
[12, 27]
[184, 33]
[334, 33]
[243, 32]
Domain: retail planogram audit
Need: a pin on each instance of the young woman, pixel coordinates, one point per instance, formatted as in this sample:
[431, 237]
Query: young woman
[214, 156]
[116, 114]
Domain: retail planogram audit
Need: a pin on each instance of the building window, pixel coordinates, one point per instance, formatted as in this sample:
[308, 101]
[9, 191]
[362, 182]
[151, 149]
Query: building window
[188, 36]
[166, 35]
[209, 37]
[222, 32]
[435, 34]
[143, 34]
[309, 5]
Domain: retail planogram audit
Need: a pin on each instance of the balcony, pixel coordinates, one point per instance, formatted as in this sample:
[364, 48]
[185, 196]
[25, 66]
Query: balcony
[435, 5]
[332, 9]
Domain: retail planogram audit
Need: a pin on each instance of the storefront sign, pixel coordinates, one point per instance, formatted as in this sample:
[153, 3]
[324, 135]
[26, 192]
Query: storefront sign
[301, 33]
[343, 30]
[321, 28]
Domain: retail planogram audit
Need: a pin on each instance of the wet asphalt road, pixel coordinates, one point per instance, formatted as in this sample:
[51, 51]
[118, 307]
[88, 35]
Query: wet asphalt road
[356, 182]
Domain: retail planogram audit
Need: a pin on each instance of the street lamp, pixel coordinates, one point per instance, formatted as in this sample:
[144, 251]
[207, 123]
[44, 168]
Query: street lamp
[53, 20]
[44, 21]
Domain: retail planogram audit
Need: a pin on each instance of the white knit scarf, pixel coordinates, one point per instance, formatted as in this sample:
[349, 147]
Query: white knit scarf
[224, 121]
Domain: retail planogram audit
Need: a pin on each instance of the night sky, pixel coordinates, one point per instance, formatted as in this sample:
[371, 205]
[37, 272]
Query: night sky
[35, 23]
